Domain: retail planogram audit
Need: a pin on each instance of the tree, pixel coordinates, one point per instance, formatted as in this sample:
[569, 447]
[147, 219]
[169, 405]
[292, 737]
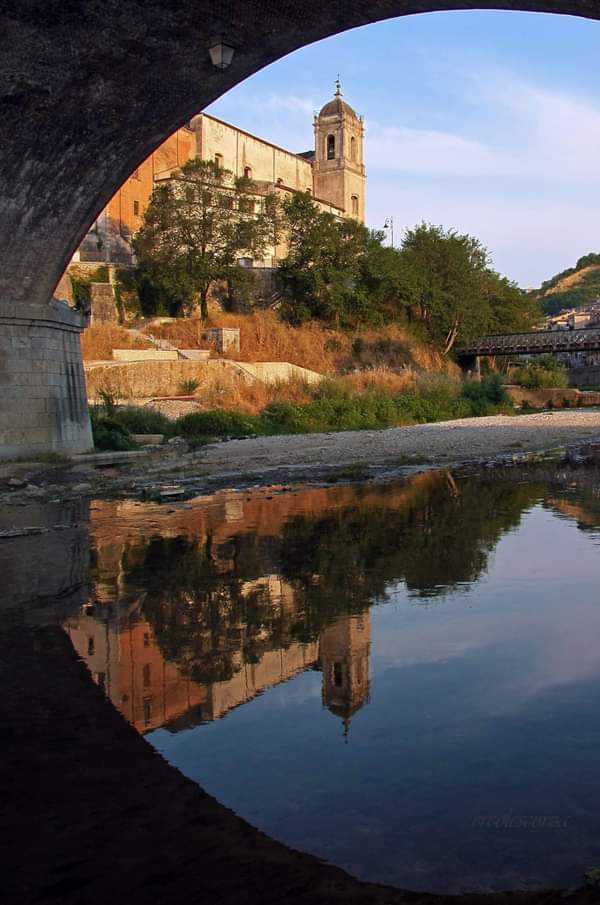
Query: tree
[447, 282]
[453, 291]
[196, 227]
[336, 269]
[510, 309]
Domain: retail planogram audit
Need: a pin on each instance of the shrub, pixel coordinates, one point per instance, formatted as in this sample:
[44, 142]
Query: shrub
[217, 424]
[486, 397]
[544, 373]
[187, 387]
[109, 434]
[140, 420]
[358, 347]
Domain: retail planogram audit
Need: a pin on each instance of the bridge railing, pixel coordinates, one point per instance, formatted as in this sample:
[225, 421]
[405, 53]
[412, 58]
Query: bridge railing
[587, 340]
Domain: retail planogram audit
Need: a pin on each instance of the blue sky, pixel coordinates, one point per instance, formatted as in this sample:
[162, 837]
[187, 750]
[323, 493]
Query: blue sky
[488, 122]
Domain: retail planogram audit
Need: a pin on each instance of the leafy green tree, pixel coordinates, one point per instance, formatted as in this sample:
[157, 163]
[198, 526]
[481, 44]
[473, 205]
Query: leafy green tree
[336, 269]
[453, 291]
[447, 283]
[510, 309]
[195, 228]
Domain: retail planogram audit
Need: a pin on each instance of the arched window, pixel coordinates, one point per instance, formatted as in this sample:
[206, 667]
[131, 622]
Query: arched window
[330, 147]
[219, 161]
[247, 172]
[354, 200]
[353, 148]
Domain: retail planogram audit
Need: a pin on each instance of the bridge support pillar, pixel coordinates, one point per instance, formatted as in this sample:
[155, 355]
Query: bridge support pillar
[43, 402]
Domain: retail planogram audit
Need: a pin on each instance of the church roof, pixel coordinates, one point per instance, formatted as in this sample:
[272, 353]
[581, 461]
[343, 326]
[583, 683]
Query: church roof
[337, 106]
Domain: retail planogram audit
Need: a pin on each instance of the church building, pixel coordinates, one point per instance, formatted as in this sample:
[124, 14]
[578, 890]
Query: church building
[333, 173]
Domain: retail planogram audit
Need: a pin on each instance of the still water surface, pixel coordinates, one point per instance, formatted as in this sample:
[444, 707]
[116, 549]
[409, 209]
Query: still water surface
[403, 679]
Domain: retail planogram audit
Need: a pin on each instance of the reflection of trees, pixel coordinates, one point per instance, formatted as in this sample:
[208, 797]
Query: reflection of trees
[210, 613]
[203, 618]
[442, 537]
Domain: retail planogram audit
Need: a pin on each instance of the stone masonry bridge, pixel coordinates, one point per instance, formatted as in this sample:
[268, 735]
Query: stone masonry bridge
[534, 343]
[87, 91]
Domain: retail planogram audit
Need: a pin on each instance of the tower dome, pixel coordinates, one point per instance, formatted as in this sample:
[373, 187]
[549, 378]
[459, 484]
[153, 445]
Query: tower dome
[337, 106]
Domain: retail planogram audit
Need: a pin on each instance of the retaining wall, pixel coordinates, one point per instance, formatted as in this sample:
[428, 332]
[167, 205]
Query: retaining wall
[43, 403]
[542, 398]
[142, 379]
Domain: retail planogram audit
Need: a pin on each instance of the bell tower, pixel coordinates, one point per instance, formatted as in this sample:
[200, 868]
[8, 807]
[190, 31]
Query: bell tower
[339, 170]
[344, 649]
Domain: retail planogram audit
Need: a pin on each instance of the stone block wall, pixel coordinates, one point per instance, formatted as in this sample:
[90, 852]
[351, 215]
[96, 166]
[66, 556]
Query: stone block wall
[145, 355]
[584, 377]
[541, 398]
[143, 379]
[43, 403]
[103, 303]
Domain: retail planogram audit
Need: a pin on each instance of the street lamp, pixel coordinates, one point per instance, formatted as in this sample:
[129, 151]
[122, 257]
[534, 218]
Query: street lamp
[221, 53]
[389, 224]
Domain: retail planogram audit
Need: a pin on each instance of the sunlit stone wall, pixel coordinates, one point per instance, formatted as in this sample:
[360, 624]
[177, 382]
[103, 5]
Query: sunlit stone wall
[43, 403]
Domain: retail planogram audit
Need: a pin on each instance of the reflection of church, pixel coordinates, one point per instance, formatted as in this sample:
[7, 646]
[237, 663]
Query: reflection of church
[344, 654]
[124, 657]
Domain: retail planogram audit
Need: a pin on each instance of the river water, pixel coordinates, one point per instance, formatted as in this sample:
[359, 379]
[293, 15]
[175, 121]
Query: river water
[401, 678]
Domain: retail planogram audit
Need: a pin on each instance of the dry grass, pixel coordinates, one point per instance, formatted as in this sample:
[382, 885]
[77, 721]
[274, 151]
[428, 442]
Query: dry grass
[226, 391]
[264, 337]
[382, 379]
[99, 340]
[572, 280]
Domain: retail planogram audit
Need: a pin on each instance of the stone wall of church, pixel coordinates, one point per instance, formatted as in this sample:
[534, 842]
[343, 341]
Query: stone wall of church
[239, 150]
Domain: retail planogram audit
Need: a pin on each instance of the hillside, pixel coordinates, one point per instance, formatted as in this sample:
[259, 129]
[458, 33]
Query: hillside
[572, 288]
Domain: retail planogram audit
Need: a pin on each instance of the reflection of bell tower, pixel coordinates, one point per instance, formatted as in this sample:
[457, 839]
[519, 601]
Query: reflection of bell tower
[339, 170]
[344, 654]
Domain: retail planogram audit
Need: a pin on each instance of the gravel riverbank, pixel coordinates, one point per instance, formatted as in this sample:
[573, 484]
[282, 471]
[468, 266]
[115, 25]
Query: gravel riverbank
[442, 442]
[174, 471]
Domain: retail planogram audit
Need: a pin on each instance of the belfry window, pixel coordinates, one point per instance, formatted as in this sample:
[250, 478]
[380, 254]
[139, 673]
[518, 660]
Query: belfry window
[352, 148]
[247, 172]
[354, 205]
[331, 147]
[338, 674]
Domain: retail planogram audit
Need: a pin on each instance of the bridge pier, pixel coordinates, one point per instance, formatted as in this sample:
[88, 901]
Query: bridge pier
[43, 402]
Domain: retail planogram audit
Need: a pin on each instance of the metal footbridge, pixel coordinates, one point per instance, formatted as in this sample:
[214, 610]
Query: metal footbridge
[586, 340]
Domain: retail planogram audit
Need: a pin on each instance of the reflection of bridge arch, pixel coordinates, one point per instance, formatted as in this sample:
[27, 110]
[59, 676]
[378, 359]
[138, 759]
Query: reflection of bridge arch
[76, 122]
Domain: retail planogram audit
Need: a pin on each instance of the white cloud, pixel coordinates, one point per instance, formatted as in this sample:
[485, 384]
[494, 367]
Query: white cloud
[559, 133]
[289, 102]
[523, 177]
[402, 149]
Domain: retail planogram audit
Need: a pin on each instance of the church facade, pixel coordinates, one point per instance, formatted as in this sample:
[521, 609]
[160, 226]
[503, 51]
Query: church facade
[333, 173]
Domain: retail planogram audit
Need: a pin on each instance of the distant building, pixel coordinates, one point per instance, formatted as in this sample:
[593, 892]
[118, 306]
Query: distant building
[333, 173]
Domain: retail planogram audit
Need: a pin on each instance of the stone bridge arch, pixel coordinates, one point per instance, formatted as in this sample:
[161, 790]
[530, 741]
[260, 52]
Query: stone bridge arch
[87, 91]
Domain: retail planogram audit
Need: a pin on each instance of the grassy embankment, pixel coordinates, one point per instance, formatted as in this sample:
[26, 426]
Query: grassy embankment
[375, 379]
[334, 406]
[388, 358]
